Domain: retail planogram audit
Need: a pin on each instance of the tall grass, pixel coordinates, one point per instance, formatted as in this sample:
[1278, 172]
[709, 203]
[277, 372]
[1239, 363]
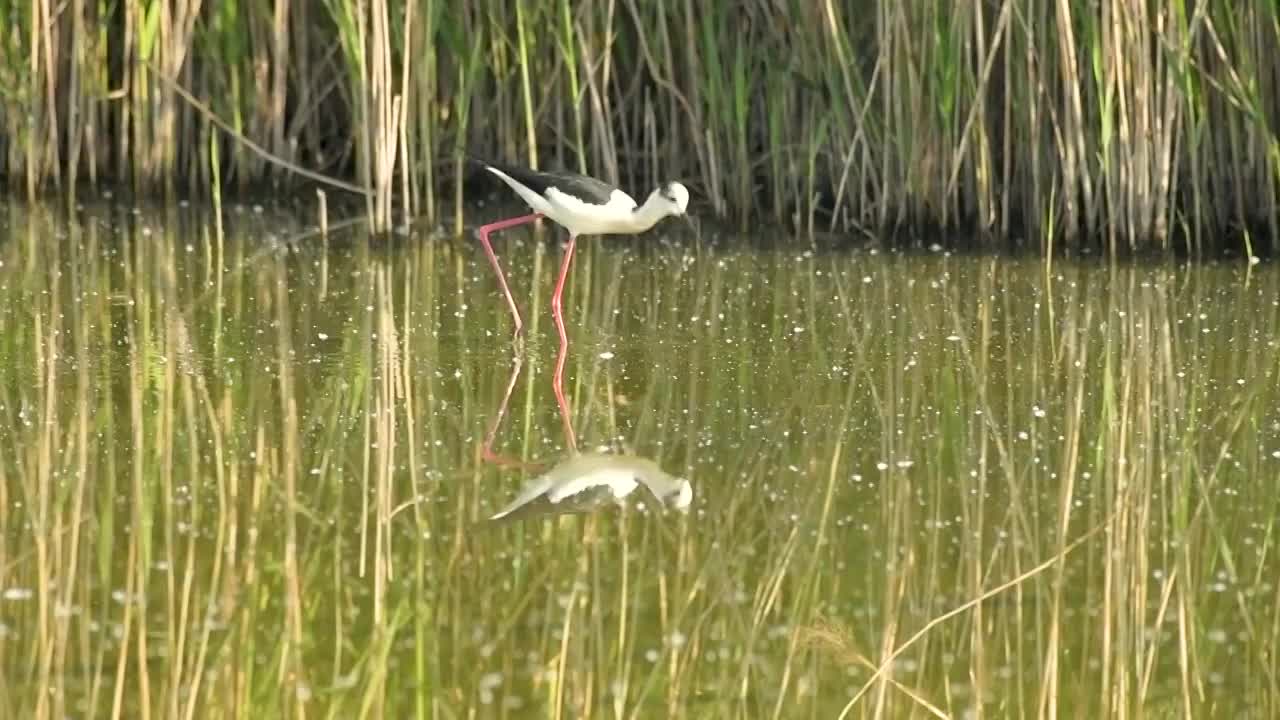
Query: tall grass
[1129, 126]
[237, 482]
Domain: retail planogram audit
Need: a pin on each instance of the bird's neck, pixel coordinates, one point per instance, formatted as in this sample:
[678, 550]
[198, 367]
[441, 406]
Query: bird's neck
[648, 214]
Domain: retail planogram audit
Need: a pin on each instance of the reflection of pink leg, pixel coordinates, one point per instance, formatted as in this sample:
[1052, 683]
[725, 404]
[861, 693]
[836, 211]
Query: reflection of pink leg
[487, 454]
[493, 259]
[557, 383]
[555, 296]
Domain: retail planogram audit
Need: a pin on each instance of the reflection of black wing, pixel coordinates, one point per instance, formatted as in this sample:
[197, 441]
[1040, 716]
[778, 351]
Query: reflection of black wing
[582, 187]
[661, 501]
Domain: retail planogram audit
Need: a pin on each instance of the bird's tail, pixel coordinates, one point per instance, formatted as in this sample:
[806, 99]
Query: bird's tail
[474, 161]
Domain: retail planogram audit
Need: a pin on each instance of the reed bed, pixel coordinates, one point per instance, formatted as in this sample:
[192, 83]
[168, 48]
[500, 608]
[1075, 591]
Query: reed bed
[239, 481]
[1118, 125]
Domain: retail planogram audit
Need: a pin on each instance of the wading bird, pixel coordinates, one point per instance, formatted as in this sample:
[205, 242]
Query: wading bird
[583, 206]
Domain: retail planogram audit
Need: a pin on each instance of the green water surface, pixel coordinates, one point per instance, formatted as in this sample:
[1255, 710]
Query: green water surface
[243, 480]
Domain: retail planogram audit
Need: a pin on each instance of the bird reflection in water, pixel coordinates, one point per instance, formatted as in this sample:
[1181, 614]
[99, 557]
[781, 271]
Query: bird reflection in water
[588, 482]
[583, 482]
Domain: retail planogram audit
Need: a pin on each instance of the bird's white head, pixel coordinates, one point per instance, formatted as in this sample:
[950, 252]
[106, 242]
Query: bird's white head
[672, 197]
[681, 497]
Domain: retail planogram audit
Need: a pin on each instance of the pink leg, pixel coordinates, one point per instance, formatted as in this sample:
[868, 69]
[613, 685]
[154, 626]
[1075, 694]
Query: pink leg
[557, 383]
[493, 259]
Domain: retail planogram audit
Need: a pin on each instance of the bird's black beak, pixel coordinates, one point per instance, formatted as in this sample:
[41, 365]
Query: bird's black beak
[695, 225]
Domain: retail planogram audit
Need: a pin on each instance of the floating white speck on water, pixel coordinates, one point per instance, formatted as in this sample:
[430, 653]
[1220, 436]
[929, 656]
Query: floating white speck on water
[606, 355]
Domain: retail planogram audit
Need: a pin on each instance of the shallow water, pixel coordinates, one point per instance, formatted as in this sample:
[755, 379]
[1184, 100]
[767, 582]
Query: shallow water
[241, 480]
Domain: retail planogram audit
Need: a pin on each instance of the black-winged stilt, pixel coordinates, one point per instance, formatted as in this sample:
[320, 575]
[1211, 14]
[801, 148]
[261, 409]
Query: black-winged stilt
[582, 205]
[587, 482]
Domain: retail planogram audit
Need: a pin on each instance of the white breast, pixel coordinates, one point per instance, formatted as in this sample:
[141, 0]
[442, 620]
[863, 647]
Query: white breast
[615, 216]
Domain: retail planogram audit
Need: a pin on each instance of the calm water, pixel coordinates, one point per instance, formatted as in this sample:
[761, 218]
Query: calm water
[242, 481]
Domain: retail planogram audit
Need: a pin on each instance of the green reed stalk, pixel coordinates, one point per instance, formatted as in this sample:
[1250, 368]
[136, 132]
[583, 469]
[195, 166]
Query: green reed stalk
[526, 93]
[567, 45]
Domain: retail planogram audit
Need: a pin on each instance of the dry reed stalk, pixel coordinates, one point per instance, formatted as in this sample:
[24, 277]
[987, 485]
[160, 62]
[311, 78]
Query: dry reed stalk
[47, 328]
[1075, 354]
[385, 107]
[897, 650]
[295, 686]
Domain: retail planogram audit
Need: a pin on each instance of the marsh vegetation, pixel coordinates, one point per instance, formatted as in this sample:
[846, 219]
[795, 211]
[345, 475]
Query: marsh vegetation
[1129, 126]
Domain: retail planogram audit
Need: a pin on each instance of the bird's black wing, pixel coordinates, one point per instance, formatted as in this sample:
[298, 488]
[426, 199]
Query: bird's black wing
[582, 187]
